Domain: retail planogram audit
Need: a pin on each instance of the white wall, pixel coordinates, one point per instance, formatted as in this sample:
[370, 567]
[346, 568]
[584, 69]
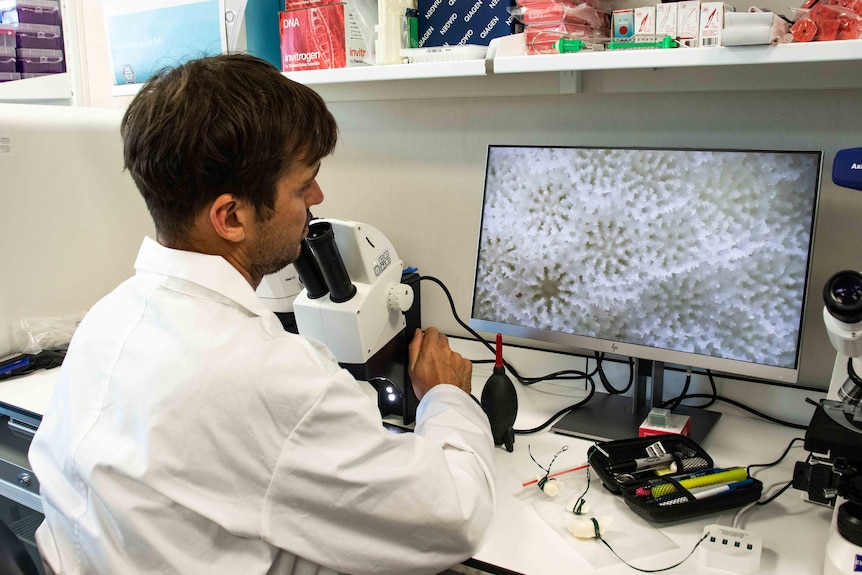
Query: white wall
[414, 169]
[71, 218]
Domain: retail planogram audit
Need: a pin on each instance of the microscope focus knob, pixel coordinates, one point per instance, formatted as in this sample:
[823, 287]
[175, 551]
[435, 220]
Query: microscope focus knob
[400, 297]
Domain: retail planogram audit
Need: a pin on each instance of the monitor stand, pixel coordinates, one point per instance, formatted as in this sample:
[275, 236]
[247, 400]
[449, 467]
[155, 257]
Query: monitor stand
[609, 417]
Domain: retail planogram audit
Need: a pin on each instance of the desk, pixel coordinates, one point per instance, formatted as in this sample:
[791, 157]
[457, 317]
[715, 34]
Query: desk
[521, 541]
[794, 531]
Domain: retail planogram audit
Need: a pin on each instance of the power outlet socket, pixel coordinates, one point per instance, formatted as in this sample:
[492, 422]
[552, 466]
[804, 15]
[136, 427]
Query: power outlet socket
[731, 549]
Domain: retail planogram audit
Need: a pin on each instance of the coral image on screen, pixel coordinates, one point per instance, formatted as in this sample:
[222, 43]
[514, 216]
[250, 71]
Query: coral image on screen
[703, 252]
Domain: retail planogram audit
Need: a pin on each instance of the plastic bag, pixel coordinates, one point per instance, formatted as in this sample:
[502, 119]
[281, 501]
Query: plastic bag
[34, 334]
[828, 20]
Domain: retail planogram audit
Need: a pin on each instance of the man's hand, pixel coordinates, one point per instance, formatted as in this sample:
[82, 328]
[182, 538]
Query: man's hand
[433, 363]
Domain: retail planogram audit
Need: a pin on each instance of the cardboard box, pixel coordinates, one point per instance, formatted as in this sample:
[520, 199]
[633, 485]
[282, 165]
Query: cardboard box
[688, 22]
[665, 19]
[645, 21]
[448, 23]
[712, 22]
[321, 37]
[623, 23]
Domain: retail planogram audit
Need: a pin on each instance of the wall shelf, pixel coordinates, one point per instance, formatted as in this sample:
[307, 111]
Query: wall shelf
[510, 56]
[508, 70]
[815, 65]
[454, 69]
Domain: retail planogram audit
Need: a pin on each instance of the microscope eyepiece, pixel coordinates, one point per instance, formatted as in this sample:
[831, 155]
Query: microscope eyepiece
[842, 295]
[309, 272]
[321, 240]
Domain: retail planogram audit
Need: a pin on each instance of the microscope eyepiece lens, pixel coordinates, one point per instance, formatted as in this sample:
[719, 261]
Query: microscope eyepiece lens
[847, 291]
[843, 296]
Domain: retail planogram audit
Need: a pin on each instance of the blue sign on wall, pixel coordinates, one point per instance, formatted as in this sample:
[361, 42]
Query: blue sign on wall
[146, 37]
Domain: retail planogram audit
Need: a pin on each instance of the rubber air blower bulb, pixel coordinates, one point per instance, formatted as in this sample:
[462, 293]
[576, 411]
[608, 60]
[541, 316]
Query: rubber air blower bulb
[500, 402]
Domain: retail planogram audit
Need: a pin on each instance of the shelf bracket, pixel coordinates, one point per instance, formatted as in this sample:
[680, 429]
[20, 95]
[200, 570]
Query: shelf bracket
[571, 82]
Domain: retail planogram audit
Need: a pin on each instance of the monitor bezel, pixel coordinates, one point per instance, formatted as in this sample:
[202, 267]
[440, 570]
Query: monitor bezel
[729, 366]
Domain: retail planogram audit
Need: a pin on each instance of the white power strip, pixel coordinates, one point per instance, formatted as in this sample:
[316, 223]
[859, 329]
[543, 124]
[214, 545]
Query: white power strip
[731, 549]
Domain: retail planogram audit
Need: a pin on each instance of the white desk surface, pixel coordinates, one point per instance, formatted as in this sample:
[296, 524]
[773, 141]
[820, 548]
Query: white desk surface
[794, 531]
[520, 541]
[30, 393]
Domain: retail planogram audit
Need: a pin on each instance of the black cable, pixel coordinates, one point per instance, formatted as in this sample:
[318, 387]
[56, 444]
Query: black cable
[569, 374]
[714, 390]
[672, 404]
[739, 405]
[777, 461]
[659, 570]
[712, 397]
[675, 402]
[560, 413]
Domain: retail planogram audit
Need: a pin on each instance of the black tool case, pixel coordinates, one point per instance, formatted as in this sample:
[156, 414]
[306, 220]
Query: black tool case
[676, 502]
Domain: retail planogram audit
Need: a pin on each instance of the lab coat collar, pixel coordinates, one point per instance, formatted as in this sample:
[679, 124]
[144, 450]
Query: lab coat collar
[209, 271]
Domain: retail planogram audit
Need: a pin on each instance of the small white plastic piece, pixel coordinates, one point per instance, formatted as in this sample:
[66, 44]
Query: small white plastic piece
[552, 488]
[731, 549]
[584, 528]
[400, 297]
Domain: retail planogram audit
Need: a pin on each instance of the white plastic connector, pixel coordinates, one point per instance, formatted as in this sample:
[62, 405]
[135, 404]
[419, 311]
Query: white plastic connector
[731, 549]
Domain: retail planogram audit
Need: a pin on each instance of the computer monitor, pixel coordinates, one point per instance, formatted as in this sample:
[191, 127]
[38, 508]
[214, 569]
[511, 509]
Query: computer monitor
[692, 257]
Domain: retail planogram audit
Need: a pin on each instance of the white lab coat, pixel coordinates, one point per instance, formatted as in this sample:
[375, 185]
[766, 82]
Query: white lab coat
[189, 433]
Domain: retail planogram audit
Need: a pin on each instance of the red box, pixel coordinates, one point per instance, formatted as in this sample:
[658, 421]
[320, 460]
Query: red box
[299, 4]
[321, 37]
[680, 424]
[313, 38]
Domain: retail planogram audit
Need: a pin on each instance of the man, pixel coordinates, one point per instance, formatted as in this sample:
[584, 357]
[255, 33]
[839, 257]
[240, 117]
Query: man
[188, 432]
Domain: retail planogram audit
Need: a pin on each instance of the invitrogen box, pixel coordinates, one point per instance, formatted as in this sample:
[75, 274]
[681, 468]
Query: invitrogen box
[321, 37]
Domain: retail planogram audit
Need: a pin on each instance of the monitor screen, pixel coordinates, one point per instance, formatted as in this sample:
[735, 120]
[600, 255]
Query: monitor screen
[692, 257]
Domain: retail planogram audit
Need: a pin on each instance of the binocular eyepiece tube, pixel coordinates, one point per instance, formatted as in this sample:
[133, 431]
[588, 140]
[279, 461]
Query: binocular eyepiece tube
[320, 266]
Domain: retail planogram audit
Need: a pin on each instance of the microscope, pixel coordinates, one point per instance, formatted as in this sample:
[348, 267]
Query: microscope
[348, 291]
[834, 435]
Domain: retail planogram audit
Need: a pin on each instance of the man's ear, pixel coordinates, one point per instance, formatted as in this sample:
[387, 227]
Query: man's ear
[229, 217]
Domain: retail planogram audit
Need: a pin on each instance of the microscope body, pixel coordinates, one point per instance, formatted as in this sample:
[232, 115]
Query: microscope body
[835, 431]
[356, 301]
[834, 434]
